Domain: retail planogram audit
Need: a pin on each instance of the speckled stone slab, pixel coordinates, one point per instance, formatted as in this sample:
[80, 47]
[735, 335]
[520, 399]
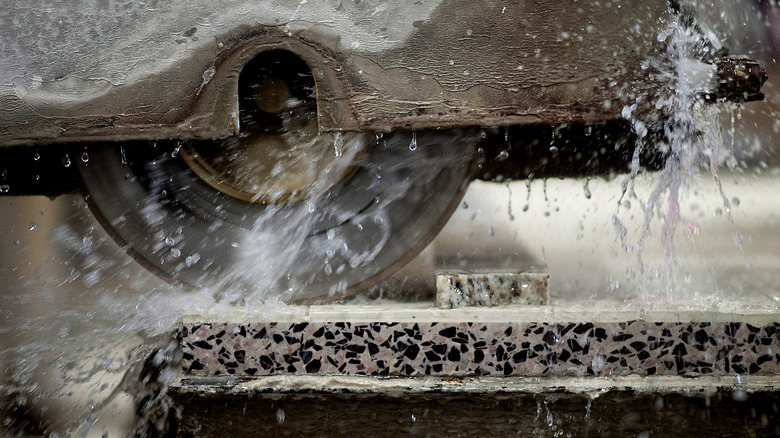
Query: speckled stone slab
[471, 348]
[490, 289]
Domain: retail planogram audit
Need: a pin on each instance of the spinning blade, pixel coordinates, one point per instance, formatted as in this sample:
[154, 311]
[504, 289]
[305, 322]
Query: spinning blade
[332, 243]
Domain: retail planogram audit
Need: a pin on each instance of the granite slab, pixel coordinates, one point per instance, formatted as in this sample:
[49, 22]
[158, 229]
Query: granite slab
[491, 289]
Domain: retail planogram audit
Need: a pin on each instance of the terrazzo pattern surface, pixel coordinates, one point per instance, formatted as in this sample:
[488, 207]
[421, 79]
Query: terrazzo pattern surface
[468, 349]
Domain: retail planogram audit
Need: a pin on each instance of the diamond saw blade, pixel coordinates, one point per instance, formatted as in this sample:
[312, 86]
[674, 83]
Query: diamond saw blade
[390, 197]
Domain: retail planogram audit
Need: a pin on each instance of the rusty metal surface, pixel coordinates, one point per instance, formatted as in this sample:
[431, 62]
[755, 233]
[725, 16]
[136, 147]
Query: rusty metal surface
[448, 408]
[119, 71]
[739, 79]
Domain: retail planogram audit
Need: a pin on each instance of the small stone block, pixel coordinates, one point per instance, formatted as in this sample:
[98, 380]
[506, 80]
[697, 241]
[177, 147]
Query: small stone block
[491, 289]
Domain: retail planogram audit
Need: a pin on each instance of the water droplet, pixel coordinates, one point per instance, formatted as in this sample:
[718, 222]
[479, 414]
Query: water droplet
[85, 157]
[4, 188]
[169, 241]
[735, 201]
[280, 415]
[175, 151]
[32, 226]
[503, 155]
[36, 156]
[598, 362]
[509, 203]
[122, 153]
[66, 160]
[413, 144]
[17, 242]
[483, 134]
[640, 129]
[338, 144]
[191, 259]
[587, 189]
[553, 149]
[175, 253]
[620, 229]
[718, 212]
[739, 239]
[492, 231]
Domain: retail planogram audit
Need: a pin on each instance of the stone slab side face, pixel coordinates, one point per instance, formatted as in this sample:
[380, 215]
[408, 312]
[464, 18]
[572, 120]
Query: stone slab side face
[471, 348]
[460, 290]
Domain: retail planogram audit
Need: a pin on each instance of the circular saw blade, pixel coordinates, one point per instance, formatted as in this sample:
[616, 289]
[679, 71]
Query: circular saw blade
[332, 244]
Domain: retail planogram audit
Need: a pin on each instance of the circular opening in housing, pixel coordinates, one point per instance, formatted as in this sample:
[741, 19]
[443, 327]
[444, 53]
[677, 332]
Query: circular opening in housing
[279, 155]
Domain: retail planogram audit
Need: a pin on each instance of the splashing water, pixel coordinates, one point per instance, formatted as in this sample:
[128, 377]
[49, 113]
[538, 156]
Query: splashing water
[108, 325]
[323, 231]
[688, 135]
